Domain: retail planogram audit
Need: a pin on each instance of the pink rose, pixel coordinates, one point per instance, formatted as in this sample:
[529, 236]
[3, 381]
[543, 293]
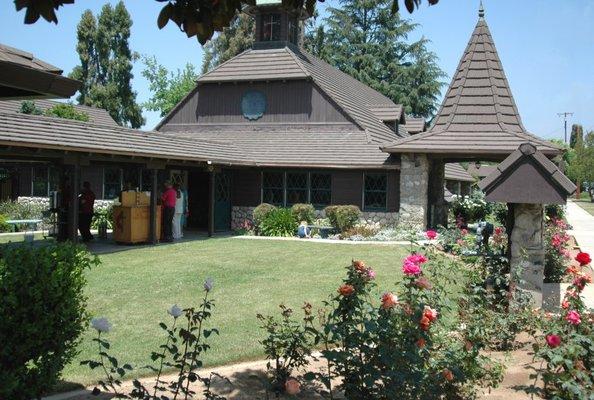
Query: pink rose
[431, 234]
[553, 340]
[370, 274]
[292, 386]
[423, 283]
[416, 259]
[573, 317]
[430, 313]
[411, 269]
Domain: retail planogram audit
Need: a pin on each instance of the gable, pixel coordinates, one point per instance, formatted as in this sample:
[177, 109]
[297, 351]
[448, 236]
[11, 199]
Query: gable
[287, 102]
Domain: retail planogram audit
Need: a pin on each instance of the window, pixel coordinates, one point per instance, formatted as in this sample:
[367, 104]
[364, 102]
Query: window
[288, 188]
[147, 180]
[320, 189]
[375, 192]
[112, 183]
[296, 188]
[131, 178]
[39, 181]
[271, 25]
[293, 30]
[273, 188]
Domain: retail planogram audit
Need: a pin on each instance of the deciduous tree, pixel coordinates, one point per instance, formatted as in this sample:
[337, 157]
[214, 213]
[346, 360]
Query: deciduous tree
[106, 64]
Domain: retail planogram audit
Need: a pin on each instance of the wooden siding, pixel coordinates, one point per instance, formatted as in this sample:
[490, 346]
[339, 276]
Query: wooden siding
[25, 184]
[246, 187]
[347, 188]
[287, 102]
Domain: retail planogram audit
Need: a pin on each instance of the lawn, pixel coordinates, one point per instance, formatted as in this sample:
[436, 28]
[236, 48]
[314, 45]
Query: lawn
[134, 288]
[586, 204]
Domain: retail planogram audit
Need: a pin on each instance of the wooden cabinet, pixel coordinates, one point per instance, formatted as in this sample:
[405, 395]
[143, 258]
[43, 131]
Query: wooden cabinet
[132, 224]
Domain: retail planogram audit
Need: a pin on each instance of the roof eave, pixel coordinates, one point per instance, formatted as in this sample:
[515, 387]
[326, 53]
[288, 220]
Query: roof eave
[38, 83]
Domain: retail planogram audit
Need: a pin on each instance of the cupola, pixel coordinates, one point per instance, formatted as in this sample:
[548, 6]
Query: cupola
[276, 25]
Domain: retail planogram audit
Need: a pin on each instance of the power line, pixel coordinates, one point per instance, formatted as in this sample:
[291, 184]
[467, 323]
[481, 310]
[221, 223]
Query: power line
[565, 115]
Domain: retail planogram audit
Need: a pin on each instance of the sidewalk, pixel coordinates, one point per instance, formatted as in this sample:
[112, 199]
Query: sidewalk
[583, 226]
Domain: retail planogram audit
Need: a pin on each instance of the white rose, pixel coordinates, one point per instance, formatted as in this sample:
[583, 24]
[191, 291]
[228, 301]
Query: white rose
[174, 311]
[101, 324]
[208, 284]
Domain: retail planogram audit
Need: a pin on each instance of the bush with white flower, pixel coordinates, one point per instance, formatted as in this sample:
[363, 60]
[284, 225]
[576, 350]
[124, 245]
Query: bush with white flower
[185, 343]
[471, 208]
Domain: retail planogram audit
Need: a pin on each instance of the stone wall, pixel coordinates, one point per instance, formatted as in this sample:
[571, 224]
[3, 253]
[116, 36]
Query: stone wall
[527, 247]
[44, 201]
[241, 215]
[414, 181]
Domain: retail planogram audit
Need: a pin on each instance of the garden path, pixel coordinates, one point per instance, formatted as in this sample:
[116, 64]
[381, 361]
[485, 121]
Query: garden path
[583, 226]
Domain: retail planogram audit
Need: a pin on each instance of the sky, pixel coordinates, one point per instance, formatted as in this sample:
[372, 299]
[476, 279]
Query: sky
[546, 47]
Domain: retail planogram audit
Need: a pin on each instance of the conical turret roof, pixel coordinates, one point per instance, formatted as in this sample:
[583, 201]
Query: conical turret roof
[478, 113]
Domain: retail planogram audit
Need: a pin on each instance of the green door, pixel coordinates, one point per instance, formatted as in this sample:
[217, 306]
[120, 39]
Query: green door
[222, 199]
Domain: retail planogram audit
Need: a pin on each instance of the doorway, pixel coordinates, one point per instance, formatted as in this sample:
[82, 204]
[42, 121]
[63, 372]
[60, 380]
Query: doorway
[198, 199]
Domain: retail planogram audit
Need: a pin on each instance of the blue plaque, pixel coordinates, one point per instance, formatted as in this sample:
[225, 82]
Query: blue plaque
[253, 104]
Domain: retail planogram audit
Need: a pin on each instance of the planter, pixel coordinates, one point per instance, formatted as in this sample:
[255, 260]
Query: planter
[552, 295]
[102, 230]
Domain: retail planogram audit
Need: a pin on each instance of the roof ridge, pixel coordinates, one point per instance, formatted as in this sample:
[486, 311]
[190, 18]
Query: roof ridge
[299, 63]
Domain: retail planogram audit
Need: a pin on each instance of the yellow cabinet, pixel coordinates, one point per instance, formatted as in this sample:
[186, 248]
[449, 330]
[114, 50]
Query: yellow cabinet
[132, 224]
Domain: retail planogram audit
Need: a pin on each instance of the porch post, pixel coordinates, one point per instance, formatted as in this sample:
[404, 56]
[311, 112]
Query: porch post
[438, 211]
[73, 209]
[153, 208]
[211, 202]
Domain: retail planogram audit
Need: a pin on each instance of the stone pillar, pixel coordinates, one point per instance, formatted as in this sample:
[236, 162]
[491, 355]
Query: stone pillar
[438, 208]
[527, 248]
[414, 177]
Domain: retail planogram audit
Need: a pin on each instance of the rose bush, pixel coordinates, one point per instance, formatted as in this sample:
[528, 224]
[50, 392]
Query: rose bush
[566, 345]
[556, 250]
[398, 345]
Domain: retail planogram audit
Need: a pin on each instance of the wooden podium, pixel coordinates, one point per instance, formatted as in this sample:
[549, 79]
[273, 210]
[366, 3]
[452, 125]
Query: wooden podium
[131, 219]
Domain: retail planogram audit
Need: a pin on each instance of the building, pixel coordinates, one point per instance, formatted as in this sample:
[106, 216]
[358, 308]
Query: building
[277, 125]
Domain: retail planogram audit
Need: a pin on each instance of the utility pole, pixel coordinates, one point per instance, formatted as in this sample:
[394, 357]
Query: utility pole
[565, 115]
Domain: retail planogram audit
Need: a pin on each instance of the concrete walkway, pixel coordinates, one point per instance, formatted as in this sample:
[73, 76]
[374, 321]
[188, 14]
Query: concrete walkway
[583, 226]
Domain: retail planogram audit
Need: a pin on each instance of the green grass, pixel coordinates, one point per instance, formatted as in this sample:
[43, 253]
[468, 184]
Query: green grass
[134, 288]
[586, 204]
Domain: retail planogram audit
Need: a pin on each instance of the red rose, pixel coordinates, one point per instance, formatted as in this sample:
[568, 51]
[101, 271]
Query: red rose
[583, 258]
[431, 234]
[553, 340]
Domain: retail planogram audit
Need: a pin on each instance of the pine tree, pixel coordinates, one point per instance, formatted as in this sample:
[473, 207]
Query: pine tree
[367, 41]
[106, 64]
[238, 37]
[577, 135]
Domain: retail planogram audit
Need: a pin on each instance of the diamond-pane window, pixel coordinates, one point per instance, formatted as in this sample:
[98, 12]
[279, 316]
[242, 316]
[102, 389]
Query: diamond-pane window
[321, 189]
[40, 181]
[296, 188]
[375, 192]
[112, 183]
[273, 188]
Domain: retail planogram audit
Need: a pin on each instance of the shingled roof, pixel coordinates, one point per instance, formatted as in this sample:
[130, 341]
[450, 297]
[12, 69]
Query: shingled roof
[96, 115]
[527, 176]
[22, 75]
[40, 132]
[366, 106]
[478, 115]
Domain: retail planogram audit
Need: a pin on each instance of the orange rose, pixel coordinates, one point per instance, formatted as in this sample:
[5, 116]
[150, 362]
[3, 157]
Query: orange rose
[359, 265]
[346, 290]
[421, 343]
[424, 323]
[468, 345]
[447, 374]
[389, 300]
[292, 386]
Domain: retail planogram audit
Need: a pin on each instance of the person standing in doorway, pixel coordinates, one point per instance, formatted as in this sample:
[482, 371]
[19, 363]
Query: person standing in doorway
[86, 200]
[168, 200]
[178, 231]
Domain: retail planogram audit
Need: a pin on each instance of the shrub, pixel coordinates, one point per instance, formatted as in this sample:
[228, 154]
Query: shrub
[67, 111]
[557, 253]
[278, 222]
[566, 345]
[363, 231]
[102, 216]
[42, 309]
[261, 212]
[555, 211]
[21, 210]
[287, 345]
[343, 217]
[303, 212]
[500, 213]
[4, 226]
[399, 347]
[29, 107]
[470, 208]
